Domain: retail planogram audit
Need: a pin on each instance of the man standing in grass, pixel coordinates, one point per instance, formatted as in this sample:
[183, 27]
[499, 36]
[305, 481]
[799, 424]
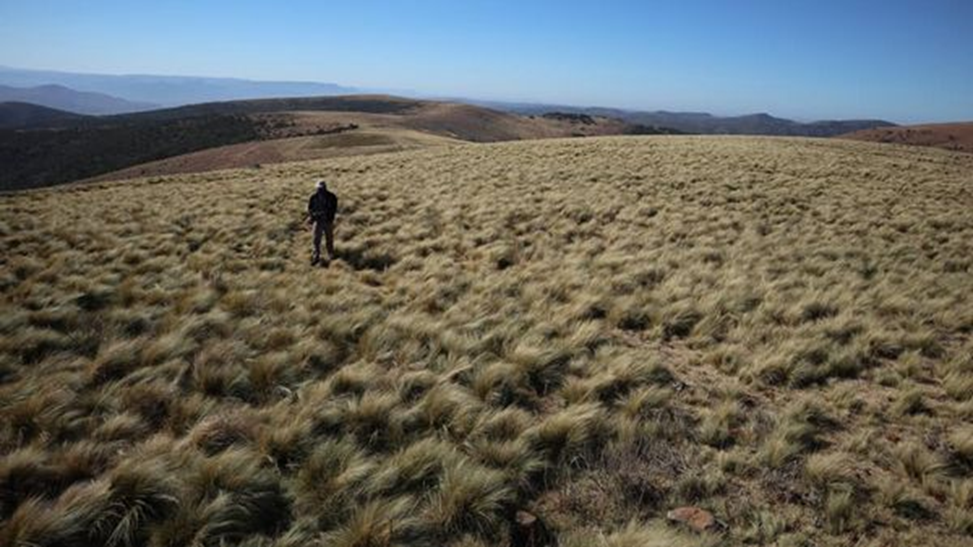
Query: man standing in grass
[321, 210]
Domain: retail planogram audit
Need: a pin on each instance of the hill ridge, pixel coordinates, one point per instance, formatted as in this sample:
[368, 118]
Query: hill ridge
[64, 98]
[95, 146]
[705, 122]
[18, 115]
[956, 136]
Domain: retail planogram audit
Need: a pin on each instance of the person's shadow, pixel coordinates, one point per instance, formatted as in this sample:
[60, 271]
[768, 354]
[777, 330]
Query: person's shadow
[360, 259]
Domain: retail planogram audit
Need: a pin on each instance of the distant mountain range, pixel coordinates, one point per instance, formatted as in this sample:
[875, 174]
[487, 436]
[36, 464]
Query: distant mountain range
[703, 123]
[168, 90]
[146, 91]
[79, 102]
[58, 126]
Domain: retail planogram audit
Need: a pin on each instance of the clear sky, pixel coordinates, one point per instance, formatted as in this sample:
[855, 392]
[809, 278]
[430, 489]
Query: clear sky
[903, 60]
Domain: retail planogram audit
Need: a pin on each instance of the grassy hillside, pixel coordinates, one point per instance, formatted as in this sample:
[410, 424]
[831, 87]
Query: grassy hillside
[703, 123]
[44, 157]
[950, 136]
[17, 114]
[157, 142]
[594, 331]
[371, 104]
[258, 153]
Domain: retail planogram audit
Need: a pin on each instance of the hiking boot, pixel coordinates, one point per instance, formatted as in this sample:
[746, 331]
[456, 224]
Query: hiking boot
[315, 260]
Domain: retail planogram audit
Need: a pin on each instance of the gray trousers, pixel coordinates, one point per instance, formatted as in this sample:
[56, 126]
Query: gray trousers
[326, 228]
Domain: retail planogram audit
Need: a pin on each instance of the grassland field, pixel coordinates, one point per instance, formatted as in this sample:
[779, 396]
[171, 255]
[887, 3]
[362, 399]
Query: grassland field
[594, 331]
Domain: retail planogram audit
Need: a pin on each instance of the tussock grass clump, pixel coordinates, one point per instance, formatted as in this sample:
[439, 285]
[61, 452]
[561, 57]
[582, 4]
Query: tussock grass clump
[635, 534]
[140, 494]
[961, 445]
[471, 498]
[412, 470]
[243, 495]
[116, 360]
[959, 385]
[800, 430]
[34, 344]
[449, 408]
[719, 427]
[31, 473]
[380, 522]
[373, 422]
[831, 469]
[572, 435]
[329, 481]
[839, 510]
[502, 384]
[68, 521]
[116, 511]
[221, 431]
[623, 375]
[588, 331]
[917, 463]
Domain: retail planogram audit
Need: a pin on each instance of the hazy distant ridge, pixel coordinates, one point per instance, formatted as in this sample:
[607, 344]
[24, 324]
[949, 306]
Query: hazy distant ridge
[70, 100]
[168, 90]
[705, 123]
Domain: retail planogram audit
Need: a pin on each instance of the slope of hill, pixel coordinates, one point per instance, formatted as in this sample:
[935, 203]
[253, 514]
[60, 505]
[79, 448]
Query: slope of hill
[259, 153]
[559, 339]
[707, 124]
[366, 104]
[168, 90]
[79, 102]
[428, 124]
[42, 157]
[950, 136]
[14, 115]
[96, 147]
[754, 124]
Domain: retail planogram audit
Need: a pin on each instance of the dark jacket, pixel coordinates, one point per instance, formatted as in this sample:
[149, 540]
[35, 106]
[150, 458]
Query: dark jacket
[322, 206]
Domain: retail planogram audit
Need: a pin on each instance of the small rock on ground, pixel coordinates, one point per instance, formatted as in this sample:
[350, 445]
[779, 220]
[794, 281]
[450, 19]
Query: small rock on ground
[698, 519]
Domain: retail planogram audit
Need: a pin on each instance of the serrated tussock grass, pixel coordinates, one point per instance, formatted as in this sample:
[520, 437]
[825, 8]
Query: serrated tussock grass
[592, 331]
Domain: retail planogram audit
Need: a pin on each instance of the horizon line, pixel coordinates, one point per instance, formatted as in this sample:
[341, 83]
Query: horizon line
[407, 93]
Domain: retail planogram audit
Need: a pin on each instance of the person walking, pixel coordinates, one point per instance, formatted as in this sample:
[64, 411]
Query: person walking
[321, 210]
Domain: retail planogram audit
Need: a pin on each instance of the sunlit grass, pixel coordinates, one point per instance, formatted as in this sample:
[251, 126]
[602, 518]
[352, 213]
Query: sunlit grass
[594, 331]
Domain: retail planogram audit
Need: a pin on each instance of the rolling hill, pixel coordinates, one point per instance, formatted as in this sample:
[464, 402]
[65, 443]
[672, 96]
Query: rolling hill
[554, 342]
[16, 115]
[42, 157]
[950, 136]
[171, 91]
[259, 153]
[276, 130]
[78, 102]
[704, 123]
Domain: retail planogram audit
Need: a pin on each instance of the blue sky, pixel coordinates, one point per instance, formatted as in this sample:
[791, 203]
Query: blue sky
[903, 60]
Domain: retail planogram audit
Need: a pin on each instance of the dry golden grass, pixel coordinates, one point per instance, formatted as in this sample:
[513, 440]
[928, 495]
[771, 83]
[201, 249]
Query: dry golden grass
[593, 330]
[949, 136]
[297, 135]
[259, 153]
